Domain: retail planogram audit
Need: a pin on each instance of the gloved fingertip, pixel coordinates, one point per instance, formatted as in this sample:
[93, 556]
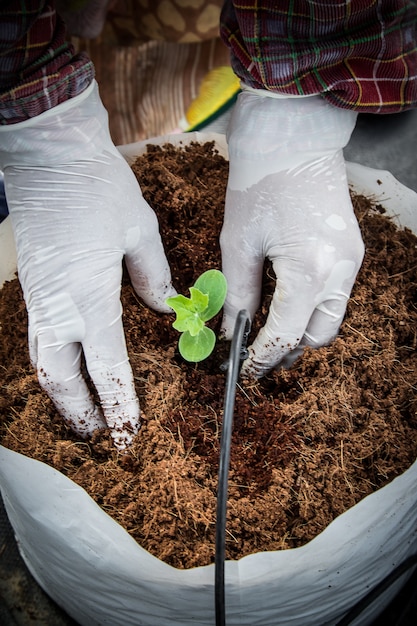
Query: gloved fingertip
[227, 327]
[254, 369]
[123, 437]
[169, 293]
[157, 300]
[162, 307]
[92, 420]
[97, 421]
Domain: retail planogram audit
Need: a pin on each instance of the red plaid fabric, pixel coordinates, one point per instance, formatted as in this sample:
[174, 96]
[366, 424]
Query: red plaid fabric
[38, 68]
[359, 54]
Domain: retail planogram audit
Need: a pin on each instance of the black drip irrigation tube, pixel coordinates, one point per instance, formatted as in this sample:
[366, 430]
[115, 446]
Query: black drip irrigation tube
[238, 354]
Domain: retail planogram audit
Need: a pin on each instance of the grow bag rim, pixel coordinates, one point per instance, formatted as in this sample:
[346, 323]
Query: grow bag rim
[409, 476]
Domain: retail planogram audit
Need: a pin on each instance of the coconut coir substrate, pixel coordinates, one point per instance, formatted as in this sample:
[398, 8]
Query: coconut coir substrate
[308, 443]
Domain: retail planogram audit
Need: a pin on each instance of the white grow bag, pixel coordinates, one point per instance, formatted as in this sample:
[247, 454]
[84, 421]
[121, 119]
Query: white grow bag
[99, 575]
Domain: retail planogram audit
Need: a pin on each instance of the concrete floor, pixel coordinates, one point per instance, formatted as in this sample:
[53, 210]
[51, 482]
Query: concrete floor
[381, 142]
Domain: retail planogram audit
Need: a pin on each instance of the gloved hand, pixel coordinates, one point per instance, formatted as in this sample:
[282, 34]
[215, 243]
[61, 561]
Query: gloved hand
[287, 200]
[76, 211]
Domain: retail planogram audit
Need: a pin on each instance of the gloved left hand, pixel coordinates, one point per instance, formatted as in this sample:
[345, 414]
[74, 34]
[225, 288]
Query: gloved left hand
[288, 200]
[77, 211]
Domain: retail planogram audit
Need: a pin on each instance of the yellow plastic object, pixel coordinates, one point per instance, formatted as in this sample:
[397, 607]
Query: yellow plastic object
[218, 91]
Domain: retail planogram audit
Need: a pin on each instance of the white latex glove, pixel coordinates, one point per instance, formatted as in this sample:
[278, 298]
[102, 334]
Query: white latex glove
[76, 211]
[287, 200]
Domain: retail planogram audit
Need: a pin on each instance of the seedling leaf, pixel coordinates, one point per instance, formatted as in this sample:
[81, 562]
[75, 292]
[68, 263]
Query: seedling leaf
[199, 347]
[213, 283]
[188, 311]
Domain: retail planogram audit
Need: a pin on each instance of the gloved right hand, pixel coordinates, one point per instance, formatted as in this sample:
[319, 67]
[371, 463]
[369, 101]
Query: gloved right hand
[76, 211]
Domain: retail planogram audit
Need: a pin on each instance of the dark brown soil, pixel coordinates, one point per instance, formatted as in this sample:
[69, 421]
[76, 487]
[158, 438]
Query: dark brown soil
[308, 443]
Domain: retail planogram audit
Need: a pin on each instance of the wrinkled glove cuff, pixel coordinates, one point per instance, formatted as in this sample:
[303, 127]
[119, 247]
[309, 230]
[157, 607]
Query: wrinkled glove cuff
[58, 136]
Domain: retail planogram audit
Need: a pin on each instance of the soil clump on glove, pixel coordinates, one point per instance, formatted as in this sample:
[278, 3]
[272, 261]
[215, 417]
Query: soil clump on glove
[308, 443]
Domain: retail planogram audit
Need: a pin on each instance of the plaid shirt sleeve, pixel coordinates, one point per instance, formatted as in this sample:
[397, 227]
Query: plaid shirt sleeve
[38, 67]
[359, 54]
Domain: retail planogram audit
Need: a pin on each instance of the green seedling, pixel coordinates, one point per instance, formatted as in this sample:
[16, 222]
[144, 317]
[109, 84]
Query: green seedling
[207, 297]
